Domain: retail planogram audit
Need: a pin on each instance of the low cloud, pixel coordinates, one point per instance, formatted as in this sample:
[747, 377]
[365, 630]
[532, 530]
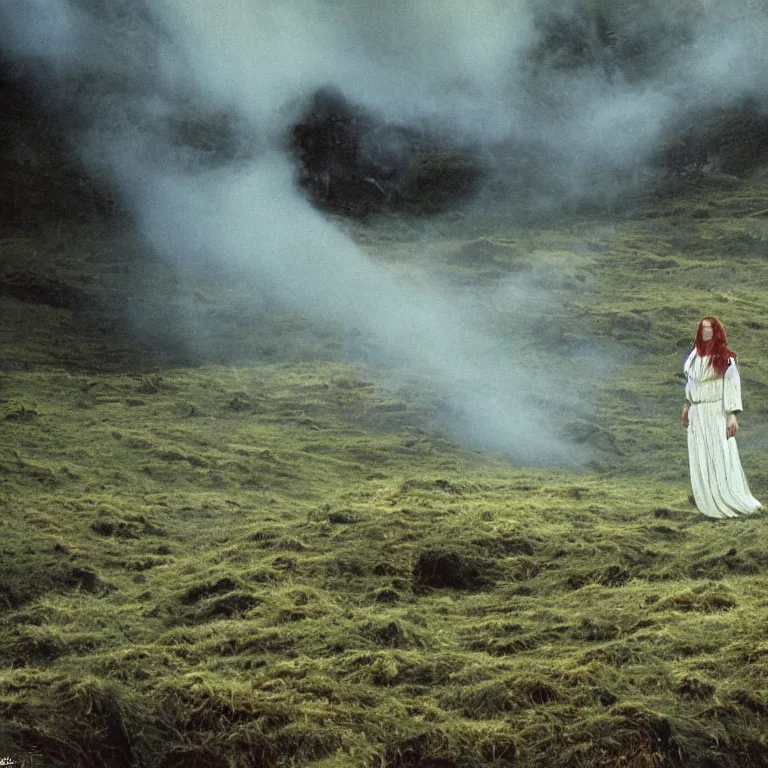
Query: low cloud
[590, 102]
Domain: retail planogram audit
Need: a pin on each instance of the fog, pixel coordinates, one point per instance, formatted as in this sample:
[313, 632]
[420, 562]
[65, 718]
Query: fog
[484, 72]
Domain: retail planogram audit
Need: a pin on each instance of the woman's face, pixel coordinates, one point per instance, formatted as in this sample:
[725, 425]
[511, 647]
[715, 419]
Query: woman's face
[706, 330]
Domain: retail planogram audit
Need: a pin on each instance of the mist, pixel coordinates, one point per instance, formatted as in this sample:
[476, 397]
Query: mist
[118, 72]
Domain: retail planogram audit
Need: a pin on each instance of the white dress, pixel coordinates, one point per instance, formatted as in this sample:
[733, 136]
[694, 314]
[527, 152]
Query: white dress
[719, 486]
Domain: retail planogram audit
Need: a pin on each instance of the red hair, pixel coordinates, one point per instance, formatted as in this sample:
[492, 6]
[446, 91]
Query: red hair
[717, 346]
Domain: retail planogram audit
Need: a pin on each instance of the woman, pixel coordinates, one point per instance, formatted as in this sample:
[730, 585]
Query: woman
[712, 400]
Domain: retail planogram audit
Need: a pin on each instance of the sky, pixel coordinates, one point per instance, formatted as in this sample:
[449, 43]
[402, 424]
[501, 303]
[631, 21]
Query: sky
[486, 72]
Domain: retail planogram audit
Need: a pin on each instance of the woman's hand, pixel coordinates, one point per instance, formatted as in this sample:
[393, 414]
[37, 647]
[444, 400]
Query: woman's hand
[684, 421]
[733, 425]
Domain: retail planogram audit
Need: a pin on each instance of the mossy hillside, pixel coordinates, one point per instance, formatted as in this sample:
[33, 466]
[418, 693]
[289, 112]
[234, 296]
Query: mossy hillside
[466, 611]
[278, 563]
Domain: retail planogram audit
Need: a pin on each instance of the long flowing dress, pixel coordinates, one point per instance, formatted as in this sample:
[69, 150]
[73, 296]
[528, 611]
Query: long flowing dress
[719, 486]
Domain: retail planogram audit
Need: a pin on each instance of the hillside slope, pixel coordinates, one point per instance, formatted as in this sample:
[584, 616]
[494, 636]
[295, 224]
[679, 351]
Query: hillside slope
[226, 544]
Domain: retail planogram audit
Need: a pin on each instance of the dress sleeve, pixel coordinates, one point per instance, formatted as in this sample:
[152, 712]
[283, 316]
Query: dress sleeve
[732, 389]
[687, 371]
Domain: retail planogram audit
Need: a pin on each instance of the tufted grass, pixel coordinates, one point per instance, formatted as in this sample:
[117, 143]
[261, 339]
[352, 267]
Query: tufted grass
[207, 560]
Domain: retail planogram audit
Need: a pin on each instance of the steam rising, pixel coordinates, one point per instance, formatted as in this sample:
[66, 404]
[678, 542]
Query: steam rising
[485, 72]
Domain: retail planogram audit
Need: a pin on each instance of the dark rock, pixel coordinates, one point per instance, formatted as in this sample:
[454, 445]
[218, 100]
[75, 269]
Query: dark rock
[606, 698]
[232, 604]
[451, 569]
[87, 580]
[385, 569]
[208, 589]
[614, 576]
[353, 162]
[386, 596]
[693, 688]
